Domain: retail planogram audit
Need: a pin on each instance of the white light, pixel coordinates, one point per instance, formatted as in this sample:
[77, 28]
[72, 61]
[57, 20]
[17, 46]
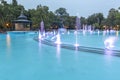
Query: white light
[58, 41]
[76, 45]
[109, 42]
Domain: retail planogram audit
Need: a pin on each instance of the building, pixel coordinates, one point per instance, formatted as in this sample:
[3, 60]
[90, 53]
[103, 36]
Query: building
[22, 23]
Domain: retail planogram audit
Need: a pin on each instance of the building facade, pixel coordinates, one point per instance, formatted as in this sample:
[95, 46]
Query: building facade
[22, 23]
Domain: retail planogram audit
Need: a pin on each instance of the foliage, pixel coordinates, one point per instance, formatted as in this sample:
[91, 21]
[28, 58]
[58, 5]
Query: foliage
[9, 12]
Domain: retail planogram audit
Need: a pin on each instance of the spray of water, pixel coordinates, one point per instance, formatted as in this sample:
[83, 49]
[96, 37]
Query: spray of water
[58, 41]
[109, 42]
[41, 31]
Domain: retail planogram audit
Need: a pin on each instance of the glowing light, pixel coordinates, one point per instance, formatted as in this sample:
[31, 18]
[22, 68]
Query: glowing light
[108, 56]
[117, 33]
[76, 45]
[91, 32]
[84, 32]
[109, 42]
[75, 32]
[42, 27]
[68, 32]
[107, 31]
[54, 32]
[98, 32]
[58, 41]
[104, 32]
[40, 36]
[7, 24]
[76, 39]
[8, 40]
[41, 31]
[58, 53]
[108, 52]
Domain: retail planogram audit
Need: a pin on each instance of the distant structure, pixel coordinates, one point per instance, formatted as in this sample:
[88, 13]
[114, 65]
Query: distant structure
[22, 23]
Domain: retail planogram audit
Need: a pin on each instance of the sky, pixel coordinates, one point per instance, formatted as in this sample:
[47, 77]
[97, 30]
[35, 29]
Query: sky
[84, 8]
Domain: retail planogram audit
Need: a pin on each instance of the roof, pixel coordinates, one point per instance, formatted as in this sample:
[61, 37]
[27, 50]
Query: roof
[22, 19]
[22, 16]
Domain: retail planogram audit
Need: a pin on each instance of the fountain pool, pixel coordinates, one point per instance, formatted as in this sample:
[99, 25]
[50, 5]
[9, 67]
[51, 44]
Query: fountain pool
[94, 43]
[23, 58]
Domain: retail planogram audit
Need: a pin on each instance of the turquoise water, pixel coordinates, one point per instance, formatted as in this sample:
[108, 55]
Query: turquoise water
[23, 58]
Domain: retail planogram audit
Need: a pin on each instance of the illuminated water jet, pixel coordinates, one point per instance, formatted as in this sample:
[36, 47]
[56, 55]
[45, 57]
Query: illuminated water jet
[109, 42]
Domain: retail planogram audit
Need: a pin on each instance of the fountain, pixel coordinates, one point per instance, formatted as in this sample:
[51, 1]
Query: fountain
[77, 26]
[84, 29]
[42, 27]
[117, 33]
[90, 29]
[58, 40]
[78, 23]
[68, 32]
[109, 42]
[98, 31]
[41, 31]
[54, 39]
[62, 30]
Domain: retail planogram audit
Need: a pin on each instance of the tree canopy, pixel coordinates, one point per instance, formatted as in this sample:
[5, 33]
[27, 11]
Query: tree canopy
[9, 12]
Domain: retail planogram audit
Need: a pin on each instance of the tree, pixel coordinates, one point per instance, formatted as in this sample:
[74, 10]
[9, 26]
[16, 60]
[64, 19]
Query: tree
[112, 17]
[83, 20]
[14, 2]
[3, 2]
[61, 12]
[41, 13]
[61, 15]
[95, 20]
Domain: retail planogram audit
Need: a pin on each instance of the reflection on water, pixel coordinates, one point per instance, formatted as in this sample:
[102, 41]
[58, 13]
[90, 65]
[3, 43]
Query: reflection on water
[109, 42]
[8, 40]
[8, 43]
[117, 33]
[108, 52]
[76, 55]
[58, 52]
[108, 56]
[40, 44]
